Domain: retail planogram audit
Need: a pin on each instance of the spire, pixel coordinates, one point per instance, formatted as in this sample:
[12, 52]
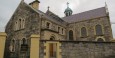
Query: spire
[48, 10]
[106, 7]
[68, 11]
[105, 4]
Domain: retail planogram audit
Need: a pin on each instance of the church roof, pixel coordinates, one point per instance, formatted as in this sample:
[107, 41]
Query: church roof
[100, 12]
[62, 23]
[54, 16]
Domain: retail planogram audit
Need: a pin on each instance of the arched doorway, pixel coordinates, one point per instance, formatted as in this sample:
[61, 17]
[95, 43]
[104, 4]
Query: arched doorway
[70, 35]
[52, 47]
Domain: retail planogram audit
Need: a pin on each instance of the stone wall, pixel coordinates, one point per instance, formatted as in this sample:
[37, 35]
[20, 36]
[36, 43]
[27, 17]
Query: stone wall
[74, 49]
[42, 47]
[32, 26]
[90, 27]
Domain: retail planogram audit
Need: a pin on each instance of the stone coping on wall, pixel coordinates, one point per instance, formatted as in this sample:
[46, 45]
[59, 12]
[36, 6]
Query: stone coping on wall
[49, 30]
[2, 34]
[113, 40]
[75, 41]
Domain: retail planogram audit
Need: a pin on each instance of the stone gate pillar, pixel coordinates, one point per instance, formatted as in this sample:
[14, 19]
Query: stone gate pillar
[34, 47]
[2, 43]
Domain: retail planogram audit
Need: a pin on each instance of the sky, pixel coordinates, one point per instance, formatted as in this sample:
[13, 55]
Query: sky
[7, 8]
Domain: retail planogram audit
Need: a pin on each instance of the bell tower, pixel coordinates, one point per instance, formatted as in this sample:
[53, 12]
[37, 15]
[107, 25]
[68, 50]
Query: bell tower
[35, 4]
[68, 11]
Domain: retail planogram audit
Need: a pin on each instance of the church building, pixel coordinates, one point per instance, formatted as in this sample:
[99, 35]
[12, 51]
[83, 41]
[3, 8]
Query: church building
[89, 26]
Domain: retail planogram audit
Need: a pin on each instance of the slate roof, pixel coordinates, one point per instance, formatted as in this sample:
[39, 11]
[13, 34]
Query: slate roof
[47, 16]
[87, 15]
[100, 12]
[54, 16]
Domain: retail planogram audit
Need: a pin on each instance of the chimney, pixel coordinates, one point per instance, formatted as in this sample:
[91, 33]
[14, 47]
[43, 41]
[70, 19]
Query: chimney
[35, 4]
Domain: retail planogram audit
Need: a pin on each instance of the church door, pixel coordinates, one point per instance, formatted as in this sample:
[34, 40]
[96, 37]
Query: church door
[52, 50]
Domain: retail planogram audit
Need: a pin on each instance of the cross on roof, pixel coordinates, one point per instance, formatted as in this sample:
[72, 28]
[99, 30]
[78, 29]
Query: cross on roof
[48, 7]
[105, 4]
[67, 4]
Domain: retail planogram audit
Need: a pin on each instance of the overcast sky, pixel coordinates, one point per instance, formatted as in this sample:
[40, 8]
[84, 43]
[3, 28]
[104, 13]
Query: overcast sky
[7, 8]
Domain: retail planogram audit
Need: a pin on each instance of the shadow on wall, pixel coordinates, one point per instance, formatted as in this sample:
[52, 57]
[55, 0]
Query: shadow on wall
[111, 56]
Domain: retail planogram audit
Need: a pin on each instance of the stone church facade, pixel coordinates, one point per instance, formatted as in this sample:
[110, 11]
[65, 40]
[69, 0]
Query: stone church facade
[90, 26]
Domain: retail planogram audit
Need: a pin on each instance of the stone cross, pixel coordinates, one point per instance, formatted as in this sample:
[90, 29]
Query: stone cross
[48, 7]
[67, 4]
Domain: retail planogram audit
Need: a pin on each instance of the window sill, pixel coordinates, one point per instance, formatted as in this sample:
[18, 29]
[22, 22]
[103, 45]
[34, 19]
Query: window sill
[83, 36]
[19, 30]
[100, 35]
[49, 30]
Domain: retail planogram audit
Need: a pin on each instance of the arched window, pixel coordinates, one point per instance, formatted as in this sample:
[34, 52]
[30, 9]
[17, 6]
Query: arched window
[23, 23]
[12, 46]
[100, 40]
[83, 32]
[52, 38]
[13, 41]
[98, 29]
[62, 30]
[48, 25]
[70, 35]
[23, 41]
[16, 24]
[19, 23]
[59, 29]
[69, 13]
[24, 45]
[66, 14]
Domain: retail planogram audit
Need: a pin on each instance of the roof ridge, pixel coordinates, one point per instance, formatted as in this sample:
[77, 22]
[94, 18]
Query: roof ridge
[90, 10]
[56, 16]
[52, 13]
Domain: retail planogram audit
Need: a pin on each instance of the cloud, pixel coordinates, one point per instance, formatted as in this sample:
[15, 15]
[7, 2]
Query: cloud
[7, 8]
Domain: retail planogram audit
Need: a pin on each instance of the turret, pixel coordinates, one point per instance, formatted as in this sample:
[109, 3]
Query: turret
[68, 11]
